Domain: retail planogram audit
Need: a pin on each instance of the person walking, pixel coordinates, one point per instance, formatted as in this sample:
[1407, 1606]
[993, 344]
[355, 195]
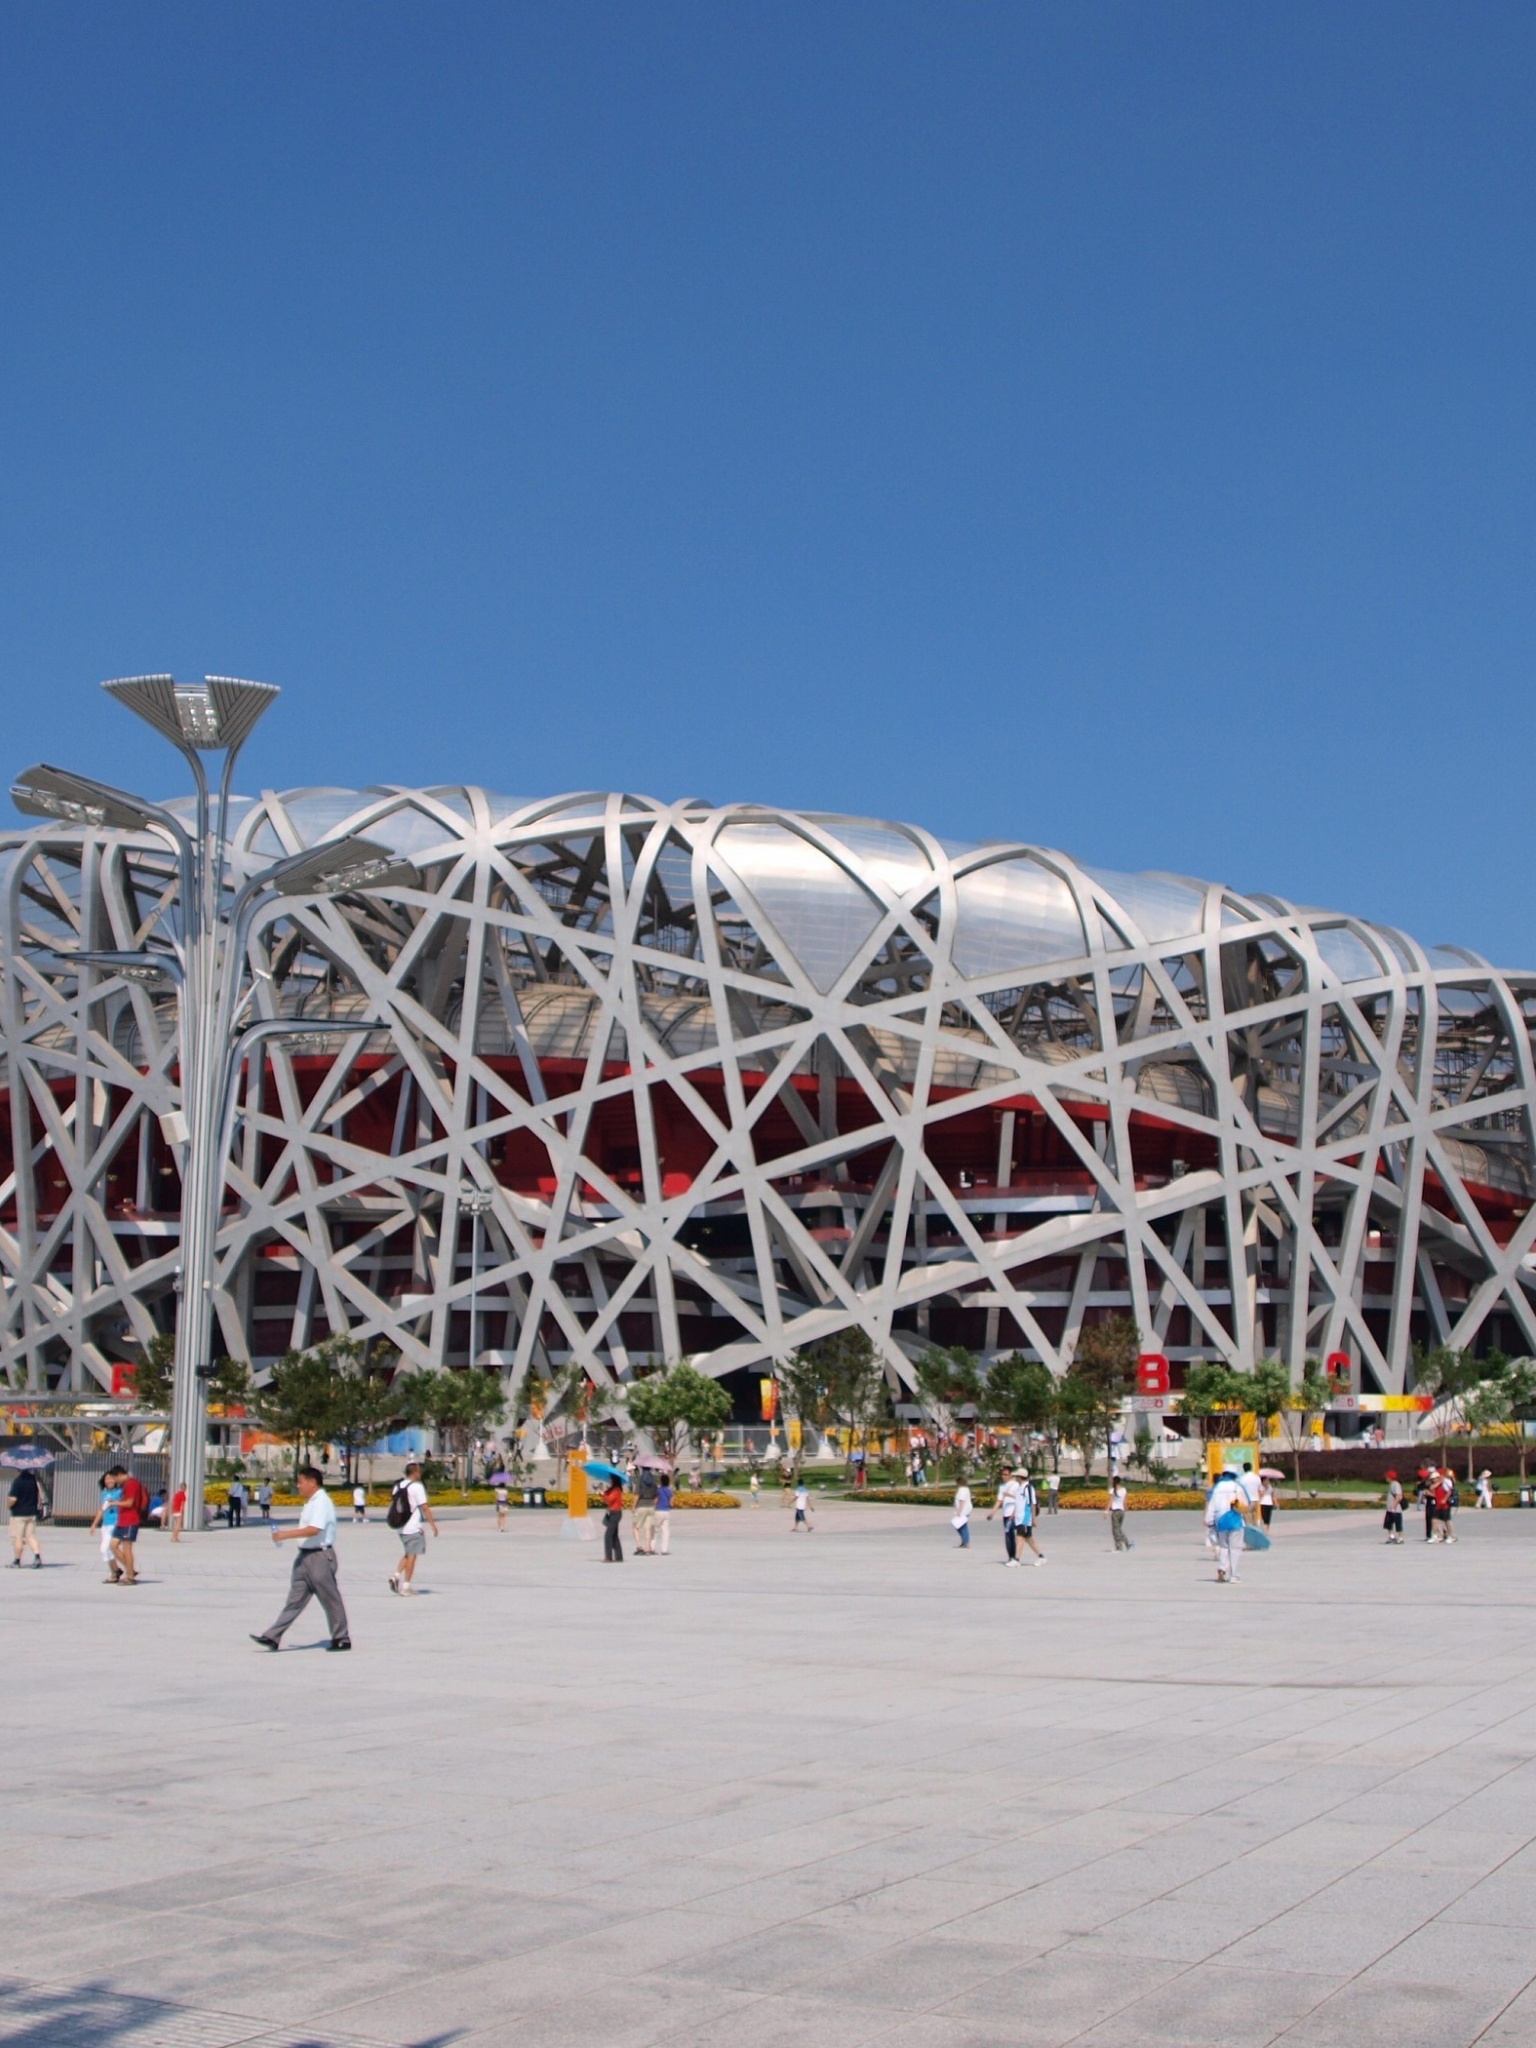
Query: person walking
[1266, 1502]
[132, 1506]
[359, 1502]
[1224, 1525]
[1053, 1493]
[1443, 1497]
[314, 1568]
[26, 1502]
[1119, 1499]
[802, 1508]
[178, 1513]
[1485, 1488]
[1007, 1505]
[1025, 1514]
[105, 1519]
[613, 1516]
[643, 1520]
[1426, 1497]
[264, 1499]
[754, 1491]
[664, 1516]
[410, 1513]
[960, 1520]
[500, 1493]
[1392, 1517]
[237, 1504]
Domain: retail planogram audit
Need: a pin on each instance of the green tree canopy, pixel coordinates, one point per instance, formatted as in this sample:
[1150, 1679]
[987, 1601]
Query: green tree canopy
[1019, 1393]
[948, 1380]
[678, 1405]
[838, 1380]
[458, 1404]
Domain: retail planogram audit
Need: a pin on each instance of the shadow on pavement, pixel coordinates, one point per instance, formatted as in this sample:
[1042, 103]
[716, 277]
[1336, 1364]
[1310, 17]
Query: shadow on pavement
[93, 2016]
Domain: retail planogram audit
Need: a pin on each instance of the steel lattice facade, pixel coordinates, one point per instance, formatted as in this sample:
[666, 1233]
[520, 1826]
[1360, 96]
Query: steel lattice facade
[732, 1079]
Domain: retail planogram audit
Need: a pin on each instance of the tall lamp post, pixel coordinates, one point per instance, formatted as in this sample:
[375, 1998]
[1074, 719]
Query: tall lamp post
[477, 1204]
[214, 717]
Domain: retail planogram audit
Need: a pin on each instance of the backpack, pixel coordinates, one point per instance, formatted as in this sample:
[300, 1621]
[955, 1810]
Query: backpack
[400, 1509]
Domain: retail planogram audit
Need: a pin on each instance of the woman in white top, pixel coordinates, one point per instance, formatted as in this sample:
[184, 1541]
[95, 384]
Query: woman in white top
[1118, 1501]
[960, 1520]
[1485, 1488]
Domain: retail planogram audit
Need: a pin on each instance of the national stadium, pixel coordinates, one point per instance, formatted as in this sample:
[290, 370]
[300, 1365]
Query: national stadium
[614, 1081]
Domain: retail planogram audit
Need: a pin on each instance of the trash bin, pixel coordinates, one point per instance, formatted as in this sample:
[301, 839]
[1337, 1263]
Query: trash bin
[1525, 1496]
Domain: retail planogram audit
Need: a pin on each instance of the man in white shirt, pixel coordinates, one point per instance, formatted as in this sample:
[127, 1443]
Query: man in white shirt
[314, 1568]
[1007, 1505]
[413, 1530]
[1225, 1505]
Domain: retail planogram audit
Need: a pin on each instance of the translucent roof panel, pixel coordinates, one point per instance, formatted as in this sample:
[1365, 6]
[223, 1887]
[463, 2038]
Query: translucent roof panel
[815, 907]
[1013, 914]
[316, 814]
[1163, 907]
[888, 855]
[409, 831]
[1347, 954]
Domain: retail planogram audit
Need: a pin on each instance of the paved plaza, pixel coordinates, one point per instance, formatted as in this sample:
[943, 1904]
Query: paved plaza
[857, 1787]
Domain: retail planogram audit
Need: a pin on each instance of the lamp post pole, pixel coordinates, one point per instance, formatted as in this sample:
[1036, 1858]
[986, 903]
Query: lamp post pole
[215, 716]
[476, 1202]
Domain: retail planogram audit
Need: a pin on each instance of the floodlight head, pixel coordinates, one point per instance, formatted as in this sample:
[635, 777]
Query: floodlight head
[220, 711]
[144, 968]
[339, 866]
[48, 792]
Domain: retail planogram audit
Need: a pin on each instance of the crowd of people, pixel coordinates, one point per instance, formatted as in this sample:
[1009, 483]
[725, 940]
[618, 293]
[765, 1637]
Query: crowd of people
[1239, 1511]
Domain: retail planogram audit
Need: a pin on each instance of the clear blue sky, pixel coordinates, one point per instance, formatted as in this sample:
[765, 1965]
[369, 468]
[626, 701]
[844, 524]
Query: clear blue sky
[1106, 425]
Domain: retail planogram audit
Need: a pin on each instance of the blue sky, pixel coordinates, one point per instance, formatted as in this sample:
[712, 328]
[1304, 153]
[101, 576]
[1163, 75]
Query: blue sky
[1110, 426]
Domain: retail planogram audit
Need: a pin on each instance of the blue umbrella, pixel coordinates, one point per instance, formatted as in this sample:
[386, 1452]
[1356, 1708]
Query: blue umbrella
[595, 1468]
[25, 1458]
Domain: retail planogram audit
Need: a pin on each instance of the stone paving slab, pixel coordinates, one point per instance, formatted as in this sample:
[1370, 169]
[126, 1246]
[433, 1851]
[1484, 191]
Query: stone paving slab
[858, 1787]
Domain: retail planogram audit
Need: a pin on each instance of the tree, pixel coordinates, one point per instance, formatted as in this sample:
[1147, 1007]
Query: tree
[154, 1373]
[1486, 1407]
[1302, 1402]
[838, 1380]
[459, 1404]
[1268, 1388]
[1210, 1391]
[1448, 1377]
[1091, 1394]
[948, 1380]
[363, 1401]
[298, 1403]
[154, 1378]
[1520, 1385]
[1084, 1415]
[1019, 1394]
[677, 1405]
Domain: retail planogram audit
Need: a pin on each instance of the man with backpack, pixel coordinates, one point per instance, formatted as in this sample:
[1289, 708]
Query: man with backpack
[410, 1516]
[1026, 1509]
[132, 1507]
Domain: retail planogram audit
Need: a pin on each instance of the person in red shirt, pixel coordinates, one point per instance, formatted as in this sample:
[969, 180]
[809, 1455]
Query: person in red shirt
[178, 1513]
[613, 1510]
[131, 1510]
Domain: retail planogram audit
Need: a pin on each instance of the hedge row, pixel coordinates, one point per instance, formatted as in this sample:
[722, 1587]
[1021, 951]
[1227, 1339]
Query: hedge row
[1375, 1461]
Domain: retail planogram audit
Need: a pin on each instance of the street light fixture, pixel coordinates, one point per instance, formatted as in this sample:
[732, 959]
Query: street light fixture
[216, 715]
[477, 1204]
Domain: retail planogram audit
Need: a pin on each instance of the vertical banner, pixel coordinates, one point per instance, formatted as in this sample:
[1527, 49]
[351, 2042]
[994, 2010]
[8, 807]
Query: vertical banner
[768, 1391]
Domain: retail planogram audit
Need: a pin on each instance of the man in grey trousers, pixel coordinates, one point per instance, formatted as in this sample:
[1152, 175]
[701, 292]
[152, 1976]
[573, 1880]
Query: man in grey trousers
[314, 1569]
